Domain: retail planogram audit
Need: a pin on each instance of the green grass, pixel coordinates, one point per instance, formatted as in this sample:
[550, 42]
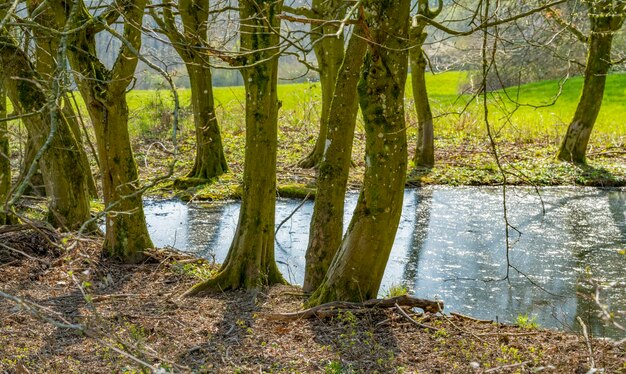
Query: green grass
[527, 136]
[303, 100]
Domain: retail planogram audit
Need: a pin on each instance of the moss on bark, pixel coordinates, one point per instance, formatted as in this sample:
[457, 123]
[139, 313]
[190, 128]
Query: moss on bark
[104, 92]
[329, 52]
[425, 150]
[191, 43]
[605, 21]
[357, 269]
[46, 48]
[66, 182]
[5, 159]
[327, 221]
[250, 261]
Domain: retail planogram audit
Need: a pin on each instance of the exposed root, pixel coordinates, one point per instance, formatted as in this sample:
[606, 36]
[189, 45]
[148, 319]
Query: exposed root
[330, 309]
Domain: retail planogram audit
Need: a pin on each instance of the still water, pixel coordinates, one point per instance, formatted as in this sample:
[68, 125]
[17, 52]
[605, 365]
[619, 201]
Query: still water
[451, 245]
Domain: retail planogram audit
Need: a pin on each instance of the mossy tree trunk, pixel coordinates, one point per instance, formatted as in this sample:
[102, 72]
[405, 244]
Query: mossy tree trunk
[606, 19]
[5, 156]
[210, 161]
[192, 44]
[329, 52]
[327, 221]
[46, 49]
[65, 177]
[250, 260]
[358, 267]
[104, 92]
[425, 150]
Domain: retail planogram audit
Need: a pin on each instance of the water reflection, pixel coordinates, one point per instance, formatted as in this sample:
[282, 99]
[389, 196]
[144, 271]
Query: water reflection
[450, 244]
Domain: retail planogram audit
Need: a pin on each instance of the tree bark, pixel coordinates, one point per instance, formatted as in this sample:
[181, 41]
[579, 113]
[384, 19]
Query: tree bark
[327, 221]
[425, 150]
[190, 44]
[210, 161]
[250, 260]
[329, 52]
[47, 45]
[605, 21]
[5, 157]
[65, 181]
[104, 92]
[357, 269]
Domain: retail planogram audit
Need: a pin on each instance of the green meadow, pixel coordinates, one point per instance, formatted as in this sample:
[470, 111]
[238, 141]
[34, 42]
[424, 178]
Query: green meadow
[528, 112]
[527, 123]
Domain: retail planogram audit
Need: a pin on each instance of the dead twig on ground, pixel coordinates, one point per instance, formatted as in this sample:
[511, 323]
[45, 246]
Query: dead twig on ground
[327, 309]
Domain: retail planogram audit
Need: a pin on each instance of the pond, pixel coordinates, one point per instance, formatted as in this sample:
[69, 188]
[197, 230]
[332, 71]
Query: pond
[451, 245]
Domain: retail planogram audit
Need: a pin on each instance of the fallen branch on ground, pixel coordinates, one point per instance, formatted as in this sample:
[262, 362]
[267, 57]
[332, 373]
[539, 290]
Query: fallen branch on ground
[413, 321]
[330, 309]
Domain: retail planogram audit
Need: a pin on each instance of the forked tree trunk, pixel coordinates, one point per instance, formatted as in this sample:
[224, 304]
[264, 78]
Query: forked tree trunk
[425, 150]
[250, 261]
[327, 221]
[191, 43]
[104, 92]
[46, 49]
[5, 157]
[606, 18]
[126, 232]
[357, 269]
[65, 179]
[209, 160]
[329, 52]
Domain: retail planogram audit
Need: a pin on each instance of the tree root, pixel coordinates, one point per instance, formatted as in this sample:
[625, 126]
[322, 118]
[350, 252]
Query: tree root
[311, 161]
[330, 309]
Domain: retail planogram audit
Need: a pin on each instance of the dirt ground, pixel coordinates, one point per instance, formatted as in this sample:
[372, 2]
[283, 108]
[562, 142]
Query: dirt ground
[124, 317]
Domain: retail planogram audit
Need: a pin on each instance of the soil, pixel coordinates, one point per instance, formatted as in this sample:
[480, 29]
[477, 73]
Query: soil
[135, 310]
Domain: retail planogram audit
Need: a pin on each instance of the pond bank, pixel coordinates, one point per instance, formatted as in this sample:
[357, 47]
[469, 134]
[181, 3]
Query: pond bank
[138, 311]
[450, 244]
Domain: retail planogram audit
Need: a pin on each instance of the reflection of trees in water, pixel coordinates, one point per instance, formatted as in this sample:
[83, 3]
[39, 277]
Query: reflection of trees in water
[205, 225]
[617, 207]
[600, 261]
[420, 234]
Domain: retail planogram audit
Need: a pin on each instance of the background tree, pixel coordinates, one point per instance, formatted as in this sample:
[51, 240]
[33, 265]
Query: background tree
[250, 261]
[328, 45]
[47, 42]
[425, 150]
[5, 156]
[606, 17]
[332, 179]
[104, 93]
[58, 152]
[357, 269]
[193, 47]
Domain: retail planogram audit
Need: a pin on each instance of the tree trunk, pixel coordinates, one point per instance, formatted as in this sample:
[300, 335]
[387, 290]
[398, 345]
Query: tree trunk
[329, 52]
[425, 150]
[574, 145]
[357, 269]
[327, 221]
[210, 161]
[65, 181]
[250, 261]
[104, 92]
[126, 233]
[190, 44]
[47, 45]
[5, 157]
[606, 18]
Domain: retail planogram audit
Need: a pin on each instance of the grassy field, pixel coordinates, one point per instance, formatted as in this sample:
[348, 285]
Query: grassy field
[527, 121]
[542, 111]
